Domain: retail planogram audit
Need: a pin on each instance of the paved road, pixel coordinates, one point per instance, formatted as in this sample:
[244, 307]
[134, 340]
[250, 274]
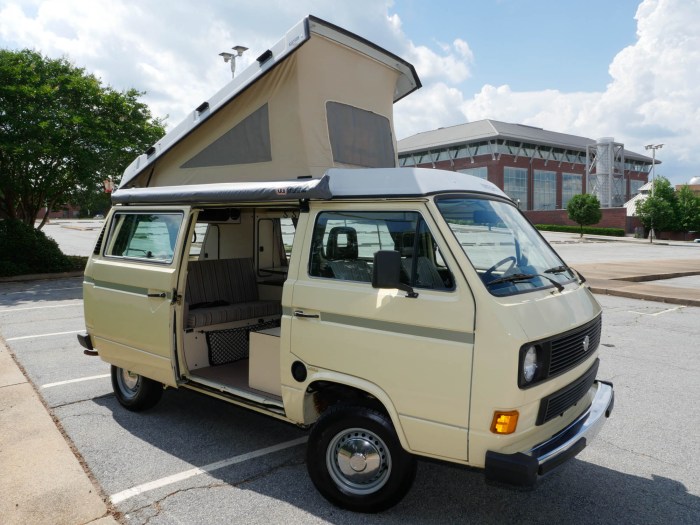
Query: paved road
[193, 459]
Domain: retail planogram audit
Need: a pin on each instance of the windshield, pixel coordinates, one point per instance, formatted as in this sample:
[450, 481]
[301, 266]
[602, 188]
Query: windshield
[507, 252]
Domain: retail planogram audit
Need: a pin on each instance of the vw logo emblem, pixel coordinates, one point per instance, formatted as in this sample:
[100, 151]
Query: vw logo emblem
[586, 343]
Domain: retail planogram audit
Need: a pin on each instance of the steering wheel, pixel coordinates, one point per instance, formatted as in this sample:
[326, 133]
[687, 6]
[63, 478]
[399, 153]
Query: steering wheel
[487, 273]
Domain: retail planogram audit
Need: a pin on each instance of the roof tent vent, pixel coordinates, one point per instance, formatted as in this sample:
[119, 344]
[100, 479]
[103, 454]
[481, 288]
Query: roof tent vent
[202, 107]
[267, 55]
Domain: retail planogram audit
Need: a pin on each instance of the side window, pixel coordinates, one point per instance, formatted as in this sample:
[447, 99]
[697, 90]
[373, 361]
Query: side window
[198, 237]
[272, 249]
[344, 244]
[147, 236]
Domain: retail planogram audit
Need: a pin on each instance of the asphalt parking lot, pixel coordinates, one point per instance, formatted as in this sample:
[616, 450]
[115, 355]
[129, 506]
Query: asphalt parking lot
[193, 459]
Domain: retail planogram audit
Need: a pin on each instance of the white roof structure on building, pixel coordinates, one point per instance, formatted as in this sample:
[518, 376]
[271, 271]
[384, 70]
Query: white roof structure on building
[494, 129]
[321, 97]
[631, 205]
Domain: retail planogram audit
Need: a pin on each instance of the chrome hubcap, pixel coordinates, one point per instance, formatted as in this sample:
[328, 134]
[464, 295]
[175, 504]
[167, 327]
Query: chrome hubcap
[358, 461]
[129, 382]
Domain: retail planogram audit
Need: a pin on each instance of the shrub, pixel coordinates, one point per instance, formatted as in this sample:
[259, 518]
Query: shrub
[24, 250]
[614, 232]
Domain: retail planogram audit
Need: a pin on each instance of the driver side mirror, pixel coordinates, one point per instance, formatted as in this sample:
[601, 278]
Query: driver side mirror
[386, 272]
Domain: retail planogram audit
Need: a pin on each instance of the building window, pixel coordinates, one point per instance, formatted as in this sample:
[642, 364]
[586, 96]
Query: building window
[635, 185]
[481, 172]
[407, 161]
[545, 194]
[515, 185]
[571, 185]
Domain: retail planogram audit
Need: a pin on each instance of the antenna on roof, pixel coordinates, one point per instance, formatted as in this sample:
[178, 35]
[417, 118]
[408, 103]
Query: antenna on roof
[230, 57]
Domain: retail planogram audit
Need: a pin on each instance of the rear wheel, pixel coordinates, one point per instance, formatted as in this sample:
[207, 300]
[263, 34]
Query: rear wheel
[356, 461]
[134, 391]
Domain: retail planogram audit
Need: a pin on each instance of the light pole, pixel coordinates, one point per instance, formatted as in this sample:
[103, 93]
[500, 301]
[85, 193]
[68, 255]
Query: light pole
[653, 148]
[231, 57]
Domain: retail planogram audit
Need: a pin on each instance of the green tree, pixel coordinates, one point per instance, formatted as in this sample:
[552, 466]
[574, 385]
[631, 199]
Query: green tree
[656, 213]
[659, 210]
[62, 132]
[688, 210]
[584, 210]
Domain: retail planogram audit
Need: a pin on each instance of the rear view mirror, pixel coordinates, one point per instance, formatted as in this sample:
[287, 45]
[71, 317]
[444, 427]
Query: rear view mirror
[386, 272]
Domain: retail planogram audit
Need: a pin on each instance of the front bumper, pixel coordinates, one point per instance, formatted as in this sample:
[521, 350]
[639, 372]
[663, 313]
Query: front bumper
[523, 468]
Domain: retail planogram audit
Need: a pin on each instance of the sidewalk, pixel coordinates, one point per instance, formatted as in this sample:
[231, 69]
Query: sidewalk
[641, 279]
[42, 479]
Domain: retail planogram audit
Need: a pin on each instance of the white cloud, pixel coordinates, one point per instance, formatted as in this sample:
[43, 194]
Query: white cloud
[433, 106]
[170, 49]
[452, 65]
[549, 109]
[653, 96]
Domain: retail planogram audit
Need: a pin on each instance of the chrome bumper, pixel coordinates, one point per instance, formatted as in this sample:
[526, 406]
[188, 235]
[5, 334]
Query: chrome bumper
[523, 468]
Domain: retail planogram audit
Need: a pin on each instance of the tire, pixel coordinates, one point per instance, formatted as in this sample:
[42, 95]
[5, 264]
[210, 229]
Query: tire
[135, 392]
[356, 461]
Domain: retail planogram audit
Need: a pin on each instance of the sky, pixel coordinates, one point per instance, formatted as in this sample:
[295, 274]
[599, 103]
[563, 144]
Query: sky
[627, 69]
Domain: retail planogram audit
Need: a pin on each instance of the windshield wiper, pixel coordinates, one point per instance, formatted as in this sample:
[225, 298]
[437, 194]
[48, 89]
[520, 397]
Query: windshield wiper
[564, 268]
[524, 277]
[557, 269]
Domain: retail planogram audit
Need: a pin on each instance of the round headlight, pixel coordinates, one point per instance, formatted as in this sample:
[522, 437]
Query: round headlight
[530, 364]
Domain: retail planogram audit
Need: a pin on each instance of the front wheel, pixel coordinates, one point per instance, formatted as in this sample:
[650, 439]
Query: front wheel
[135, 392]
[356, 461]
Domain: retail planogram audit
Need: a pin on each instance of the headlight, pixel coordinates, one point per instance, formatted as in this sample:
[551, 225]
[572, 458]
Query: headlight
[530, 364]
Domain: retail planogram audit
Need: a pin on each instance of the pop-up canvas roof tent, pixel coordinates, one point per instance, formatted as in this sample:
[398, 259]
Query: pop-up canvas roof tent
[320, 98]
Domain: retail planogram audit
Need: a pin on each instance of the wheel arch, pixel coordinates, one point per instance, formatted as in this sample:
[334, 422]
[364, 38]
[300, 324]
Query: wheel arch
[326, 390]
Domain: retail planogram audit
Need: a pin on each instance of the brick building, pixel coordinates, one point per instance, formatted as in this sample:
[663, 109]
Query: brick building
[539, 169]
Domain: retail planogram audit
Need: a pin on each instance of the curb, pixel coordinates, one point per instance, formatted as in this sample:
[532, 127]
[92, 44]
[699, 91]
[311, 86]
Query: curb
[644, 296]
[39, 277]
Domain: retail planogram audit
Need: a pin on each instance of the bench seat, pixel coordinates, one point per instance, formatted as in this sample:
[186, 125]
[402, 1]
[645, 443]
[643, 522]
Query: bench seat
[224, 290]
[232, 312]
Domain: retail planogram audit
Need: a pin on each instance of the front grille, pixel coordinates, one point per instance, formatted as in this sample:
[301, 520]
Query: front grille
[559, 402]
[568, 350]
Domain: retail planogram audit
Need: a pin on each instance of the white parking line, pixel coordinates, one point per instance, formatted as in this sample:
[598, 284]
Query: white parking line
[39, 307]
[41, 335]
[68, 382]
[169, 480]
[658, 313]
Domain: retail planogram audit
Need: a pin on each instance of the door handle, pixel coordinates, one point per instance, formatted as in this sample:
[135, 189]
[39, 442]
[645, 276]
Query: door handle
[160, 295]
[300, 313]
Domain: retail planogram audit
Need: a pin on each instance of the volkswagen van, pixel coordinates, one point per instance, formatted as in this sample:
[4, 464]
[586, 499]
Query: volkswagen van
[396, 313]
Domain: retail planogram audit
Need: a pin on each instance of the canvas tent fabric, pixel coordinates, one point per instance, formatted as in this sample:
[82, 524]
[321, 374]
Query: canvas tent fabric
[320, 98]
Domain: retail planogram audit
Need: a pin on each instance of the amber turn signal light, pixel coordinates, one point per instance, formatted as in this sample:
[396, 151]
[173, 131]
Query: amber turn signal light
[504, 422]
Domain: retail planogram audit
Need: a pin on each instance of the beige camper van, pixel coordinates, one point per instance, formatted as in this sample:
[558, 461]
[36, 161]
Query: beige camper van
[268, 253]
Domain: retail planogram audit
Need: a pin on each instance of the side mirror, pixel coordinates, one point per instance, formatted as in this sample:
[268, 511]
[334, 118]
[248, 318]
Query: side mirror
[386, 272]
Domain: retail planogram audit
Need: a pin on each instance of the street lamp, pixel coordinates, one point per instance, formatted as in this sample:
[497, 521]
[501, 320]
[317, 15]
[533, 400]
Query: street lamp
[231, 57]
[653, 148]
